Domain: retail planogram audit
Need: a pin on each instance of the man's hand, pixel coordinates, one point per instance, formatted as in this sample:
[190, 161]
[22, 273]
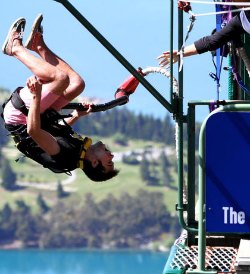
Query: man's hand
[165, 58]
[76, 114]
[34, 85]
[79, 113]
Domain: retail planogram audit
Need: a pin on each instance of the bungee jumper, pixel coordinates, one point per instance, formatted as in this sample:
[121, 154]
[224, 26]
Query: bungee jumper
[32, 117]
[31, 113]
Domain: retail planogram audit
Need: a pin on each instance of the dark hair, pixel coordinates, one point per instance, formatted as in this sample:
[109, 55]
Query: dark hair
[97, 173]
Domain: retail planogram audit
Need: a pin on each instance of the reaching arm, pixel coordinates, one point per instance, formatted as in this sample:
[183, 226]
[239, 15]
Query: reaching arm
[165, 56]
[44, 139]
[231, 31]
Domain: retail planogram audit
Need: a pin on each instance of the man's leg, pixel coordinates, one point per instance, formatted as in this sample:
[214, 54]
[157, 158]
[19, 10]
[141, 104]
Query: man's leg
[54, 79]
[35, 42]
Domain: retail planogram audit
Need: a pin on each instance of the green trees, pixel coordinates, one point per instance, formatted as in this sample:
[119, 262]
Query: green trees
[8, 175]
[148, 173]
[144, 169]
[156, 172]
[3, 133]
[165, 168]
[20, 224]
[126, 123]
[7, 227]
[60, 191]
[127, 221]
[43, 207]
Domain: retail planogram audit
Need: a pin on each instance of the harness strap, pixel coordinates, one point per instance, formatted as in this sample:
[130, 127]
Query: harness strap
[18, 103]
[22, 141]
[86, 144]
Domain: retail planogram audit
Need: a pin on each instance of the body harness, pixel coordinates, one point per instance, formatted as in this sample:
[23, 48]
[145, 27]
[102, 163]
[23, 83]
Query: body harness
[76, 144]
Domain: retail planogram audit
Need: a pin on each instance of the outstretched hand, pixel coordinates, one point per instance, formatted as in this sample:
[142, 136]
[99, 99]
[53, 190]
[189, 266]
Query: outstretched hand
[34, 85]
[164, 58]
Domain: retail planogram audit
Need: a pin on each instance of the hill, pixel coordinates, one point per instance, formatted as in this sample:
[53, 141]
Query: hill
[136, 149]
[35, 179]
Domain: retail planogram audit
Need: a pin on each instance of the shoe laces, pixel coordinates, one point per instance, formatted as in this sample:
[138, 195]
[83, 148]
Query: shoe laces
[20, 34]
[20, 30]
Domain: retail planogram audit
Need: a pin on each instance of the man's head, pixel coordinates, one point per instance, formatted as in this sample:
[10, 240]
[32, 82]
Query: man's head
[98, 164]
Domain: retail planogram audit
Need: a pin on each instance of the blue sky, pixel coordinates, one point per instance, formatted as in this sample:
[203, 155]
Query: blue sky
[138, 29]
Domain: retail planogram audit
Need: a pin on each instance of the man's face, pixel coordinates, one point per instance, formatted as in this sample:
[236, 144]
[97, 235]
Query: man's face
[103, 154]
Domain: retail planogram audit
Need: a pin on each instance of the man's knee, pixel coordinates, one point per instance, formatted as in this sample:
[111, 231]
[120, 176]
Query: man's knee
[62, 79]
[77, 82]
[81, 85]
[77, 85]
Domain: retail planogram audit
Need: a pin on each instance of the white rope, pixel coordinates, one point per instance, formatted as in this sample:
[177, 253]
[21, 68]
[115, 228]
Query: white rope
[165, 72]
[219, 12]
[220, 3]
[190, 27]
[243, 4]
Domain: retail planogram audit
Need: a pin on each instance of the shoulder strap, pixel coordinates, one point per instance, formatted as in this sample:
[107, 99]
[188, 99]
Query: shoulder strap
[86, 144]
[18, 103]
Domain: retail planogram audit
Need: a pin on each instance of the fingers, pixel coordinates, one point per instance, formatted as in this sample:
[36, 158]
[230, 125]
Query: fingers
[164, 63]
[80, 113]
[39, 81]
[164, 54]
[34, 84]
[89, 106]
[164, 58]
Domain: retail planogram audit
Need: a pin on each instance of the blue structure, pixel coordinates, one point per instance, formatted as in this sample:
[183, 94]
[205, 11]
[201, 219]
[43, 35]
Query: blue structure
[227, 159]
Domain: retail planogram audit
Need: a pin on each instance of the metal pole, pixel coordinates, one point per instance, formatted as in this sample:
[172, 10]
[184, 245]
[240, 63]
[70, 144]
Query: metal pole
[191, 167]
[171, 48]
[115, 53]
[179, 125]
[201, 224]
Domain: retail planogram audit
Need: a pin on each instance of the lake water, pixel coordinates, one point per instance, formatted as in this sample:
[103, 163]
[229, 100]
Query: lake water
[81, 262]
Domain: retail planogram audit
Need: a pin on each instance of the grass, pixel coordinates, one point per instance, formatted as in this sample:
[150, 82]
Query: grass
[127, 181]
